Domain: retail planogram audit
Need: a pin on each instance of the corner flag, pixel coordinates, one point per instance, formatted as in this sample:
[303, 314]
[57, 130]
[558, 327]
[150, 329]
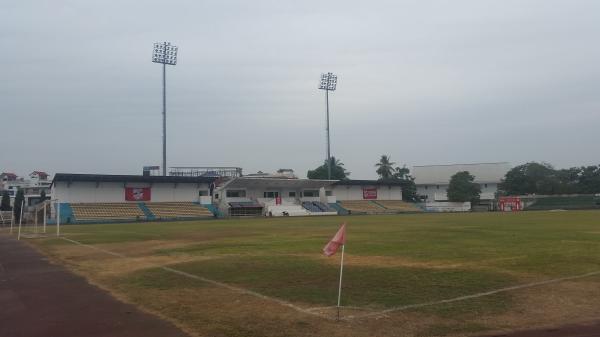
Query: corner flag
[339, 239]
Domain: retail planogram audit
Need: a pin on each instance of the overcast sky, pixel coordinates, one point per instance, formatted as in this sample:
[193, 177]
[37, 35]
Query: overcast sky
[427, 82]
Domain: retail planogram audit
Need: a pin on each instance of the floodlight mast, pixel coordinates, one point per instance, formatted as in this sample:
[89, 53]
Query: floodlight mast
[164, 53]
[328, 83]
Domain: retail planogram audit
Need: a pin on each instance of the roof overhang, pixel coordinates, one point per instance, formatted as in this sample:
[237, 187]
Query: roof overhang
[369, 183]
[70, 178]
[244, 182]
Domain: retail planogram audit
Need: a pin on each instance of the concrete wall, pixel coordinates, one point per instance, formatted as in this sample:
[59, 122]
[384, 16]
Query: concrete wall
[354, 192]
[115, 192]
[448, 206]
[438, 192]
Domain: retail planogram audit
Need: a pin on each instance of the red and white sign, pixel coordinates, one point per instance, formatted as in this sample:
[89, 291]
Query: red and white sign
[507, 204]
[370, 193]
[137, 193]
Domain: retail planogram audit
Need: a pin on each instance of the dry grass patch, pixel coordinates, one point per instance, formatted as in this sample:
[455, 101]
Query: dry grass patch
[551, 305]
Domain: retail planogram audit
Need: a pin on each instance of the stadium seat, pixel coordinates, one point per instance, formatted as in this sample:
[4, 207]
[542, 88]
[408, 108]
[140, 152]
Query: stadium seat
[106, 211]
[363, 206]
[316, 206]
[310, 206]
[174, 210]
[398, 206]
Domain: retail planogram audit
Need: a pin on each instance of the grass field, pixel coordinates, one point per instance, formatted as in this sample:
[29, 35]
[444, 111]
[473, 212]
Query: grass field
[267, 277]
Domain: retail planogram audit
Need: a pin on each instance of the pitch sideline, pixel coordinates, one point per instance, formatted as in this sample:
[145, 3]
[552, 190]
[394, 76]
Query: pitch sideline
[311, 311]
[213, 282]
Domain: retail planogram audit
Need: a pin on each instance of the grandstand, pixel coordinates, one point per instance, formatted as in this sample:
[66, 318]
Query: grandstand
[363, 207]
[109, 211]
[106, 211]
[195, 194]
[398, 206]
[170, 210]
[316, 206]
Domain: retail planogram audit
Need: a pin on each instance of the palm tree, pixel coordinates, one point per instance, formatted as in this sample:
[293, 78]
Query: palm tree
[338, 172]
[385, 167]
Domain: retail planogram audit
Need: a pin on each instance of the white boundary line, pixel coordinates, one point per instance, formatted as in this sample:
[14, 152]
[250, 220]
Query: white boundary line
[213, 282]
[482, 294]
[311, 311]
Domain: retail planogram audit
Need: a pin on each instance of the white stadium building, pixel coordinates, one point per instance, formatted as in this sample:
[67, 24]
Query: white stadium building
[83, 198]
[432, 180]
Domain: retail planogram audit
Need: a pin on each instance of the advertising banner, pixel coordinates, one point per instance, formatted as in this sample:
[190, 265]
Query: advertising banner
[508, 204]
[137, 193]
[370, 193]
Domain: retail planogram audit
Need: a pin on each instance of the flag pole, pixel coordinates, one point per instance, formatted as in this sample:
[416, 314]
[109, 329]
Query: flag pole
[340, 286]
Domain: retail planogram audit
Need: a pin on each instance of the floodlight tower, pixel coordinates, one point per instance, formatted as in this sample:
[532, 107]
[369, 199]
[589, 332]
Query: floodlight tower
[164, 53]
[328, 83]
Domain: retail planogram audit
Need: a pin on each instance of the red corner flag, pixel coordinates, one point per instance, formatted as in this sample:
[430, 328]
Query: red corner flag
[338, 240]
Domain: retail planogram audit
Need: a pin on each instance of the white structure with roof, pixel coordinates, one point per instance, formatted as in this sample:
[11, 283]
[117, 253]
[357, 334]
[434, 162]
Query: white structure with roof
[433, 180]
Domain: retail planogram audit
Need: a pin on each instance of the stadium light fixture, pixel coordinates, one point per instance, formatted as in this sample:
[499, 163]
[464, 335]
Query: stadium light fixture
[328, 83]
[164, 53]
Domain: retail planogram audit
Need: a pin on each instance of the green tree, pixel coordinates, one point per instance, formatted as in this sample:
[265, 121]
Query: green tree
[399, 175]
[385, 167]
[43, 196]
[19, 198]
[530, 178]
[402, 173]
[463, 188]
[5, 203]
[338, 172]
[407, 183]
[589, 179]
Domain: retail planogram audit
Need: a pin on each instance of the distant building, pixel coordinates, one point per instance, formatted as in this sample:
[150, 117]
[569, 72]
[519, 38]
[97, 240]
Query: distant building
[432, 180]
[32, 188]
[8, 176]
[281, 174]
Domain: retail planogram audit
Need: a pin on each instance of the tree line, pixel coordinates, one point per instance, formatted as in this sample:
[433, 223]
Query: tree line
[543, 178]
[18, 202]
[385, 169]
[528, 178]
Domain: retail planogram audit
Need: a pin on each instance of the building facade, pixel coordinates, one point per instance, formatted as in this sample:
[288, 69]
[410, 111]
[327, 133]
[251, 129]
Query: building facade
[433, 180]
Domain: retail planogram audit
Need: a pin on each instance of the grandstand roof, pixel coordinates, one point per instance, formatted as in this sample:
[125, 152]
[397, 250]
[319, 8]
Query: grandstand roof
[441, 174]
[368, 182]
[72, 177]
[245, 182]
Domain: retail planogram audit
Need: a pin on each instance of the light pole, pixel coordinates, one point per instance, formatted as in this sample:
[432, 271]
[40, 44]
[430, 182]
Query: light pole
[164, 53]
[328, 83]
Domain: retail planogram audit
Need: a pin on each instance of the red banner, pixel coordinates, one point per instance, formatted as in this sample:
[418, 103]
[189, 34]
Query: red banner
[370, 193]
[137, 193]
[507, 204]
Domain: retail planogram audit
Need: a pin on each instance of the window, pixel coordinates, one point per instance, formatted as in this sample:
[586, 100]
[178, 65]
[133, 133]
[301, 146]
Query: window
[311, 193]
[270, 194]
[203, 193]
[328, 193]
[437, 187]
[236, 194]
[292, 194]
[485, 185]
